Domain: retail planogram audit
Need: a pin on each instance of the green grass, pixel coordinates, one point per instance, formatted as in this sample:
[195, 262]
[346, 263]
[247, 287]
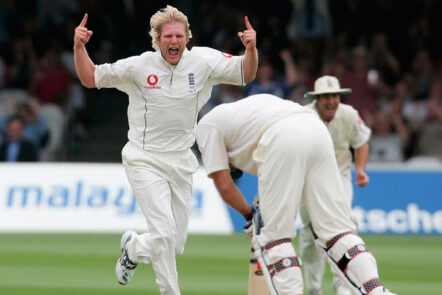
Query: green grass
[33, 264]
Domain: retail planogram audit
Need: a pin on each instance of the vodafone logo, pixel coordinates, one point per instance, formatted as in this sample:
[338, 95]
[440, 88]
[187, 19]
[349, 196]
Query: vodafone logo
[152, 80]
[227, 55]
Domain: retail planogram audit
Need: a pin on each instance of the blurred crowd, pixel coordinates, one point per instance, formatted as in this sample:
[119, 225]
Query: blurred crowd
[387, 52]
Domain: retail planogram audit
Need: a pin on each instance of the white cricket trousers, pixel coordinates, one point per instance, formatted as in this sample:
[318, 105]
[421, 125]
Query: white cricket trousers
[313, 260]
[162, 183]
[296, 161]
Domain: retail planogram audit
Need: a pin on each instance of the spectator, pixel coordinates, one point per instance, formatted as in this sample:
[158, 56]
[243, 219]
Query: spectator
[268, 81]
[405, 51]
[383, 59]
[414, 110]
[9, 100]
[363, 97]
[310, 19]
[52, 80]
[423, 69]
[388, 140]
[15, 147]
[35, 126]
[417, 111]
[21, 65]
[434, 105]
[430, 134]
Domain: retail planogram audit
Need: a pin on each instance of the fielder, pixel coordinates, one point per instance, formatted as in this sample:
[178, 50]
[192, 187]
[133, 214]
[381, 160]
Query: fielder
[347, 130]
[291, 152]
[166, 90]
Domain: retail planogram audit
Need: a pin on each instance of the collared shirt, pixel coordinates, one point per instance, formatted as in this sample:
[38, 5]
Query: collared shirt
[230, 132]
[347, 129]
[164, 100]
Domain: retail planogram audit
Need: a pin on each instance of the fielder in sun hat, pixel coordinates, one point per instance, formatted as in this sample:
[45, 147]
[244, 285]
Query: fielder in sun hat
[327, 84]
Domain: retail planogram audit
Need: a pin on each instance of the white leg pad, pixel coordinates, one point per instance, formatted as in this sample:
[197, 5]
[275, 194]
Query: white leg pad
[280, 265]
[350, 258]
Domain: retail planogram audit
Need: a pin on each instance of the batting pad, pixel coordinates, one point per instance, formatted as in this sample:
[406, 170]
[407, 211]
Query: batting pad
[350, 258]
[280, 265]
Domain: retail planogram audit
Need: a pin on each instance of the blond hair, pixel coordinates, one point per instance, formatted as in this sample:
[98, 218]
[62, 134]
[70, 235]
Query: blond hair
[164, 16]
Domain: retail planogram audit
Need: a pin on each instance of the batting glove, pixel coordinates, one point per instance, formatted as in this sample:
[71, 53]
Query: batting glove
[249, 228]
[256, 201]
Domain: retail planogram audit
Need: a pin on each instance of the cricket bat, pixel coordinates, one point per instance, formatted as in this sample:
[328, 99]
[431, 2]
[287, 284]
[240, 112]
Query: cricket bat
[257, 281]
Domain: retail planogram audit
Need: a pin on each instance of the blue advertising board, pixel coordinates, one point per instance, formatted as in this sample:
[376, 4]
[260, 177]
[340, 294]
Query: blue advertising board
[402, 202]
[394, 202]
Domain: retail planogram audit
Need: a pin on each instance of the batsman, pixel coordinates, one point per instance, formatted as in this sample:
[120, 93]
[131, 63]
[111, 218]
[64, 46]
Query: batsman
[291, 151]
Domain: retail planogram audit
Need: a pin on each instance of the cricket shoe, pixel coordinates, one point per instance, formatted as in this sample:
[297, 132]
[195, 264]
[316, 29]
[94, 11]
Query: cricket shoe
[125, 269]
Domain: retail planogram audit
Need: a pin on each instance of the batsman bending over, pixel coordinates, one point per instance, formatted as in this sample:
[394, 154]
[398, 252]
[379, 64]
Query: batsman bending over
[291, 152]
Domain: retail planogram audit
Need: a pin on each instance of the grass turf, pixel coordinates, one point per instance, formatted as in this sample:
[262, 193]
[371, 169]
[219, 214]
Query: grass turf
[34, 264]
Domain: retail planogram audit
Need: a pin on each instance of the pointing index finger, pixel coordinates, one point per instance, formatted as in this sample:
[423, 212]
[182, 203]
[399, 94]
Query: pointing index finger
[84, 20]
[248, 25]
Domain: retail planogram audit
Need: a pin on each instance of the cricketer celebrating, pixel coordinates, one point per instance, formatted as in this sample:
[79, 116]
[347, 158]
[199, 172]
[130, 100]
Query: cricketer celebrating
[347, 130]
[291, 152]
[166, 90]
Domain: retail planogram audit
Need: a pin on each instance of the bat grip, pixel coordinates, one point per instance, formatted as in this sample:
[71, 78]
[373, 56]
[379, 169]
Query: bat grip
[257, 221]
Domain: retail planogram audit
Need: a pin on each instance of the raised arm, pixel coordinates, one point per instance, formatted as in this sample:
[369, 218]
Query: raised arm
[291, 73]
[83, 64]
[250, 62]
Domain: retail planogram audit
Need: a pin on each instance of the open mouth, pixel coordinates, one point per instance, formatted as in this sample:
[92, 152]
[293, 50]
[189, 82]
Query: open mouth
[330, 111]
[173, 51]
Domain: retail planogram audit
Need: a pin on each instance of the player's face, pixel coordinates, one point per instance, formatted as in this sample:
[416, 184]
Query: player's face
[327, 105]
[172, 42]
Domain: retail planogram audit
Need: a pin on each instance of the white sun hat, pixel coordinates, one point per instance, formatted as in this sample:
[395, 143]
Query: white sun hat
[327, 84]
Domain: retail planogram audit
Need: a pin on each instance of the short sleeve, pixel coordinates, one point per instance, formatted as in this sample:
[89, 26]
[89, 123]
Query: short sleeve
[213, 151]
[115, 74]
[360, 132]
[225, 68]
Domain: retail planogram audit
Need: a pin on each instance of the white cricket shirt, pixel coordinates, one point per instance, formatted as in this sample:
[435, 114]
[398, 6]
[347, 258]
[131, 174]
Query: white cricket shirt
[164, 100]
[346, 129]
[230, 132]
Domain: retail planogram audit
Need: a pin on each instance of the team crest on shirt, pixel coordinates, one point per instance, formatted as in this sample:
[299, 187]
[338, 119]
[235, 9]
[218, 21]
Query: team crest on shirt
[192, 82]
[152, 81]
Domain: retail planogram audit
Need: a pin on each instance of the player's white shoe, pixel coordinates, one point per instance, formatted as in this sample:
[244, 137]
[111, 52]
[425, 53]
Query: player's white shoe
[125, 269]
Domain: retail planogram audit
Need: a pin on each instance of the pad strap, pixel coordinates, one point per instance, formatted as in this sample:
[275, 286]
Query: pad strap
[369, 286]
[283, 264]
[350, 254]
[333, 241]
[272, 244]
